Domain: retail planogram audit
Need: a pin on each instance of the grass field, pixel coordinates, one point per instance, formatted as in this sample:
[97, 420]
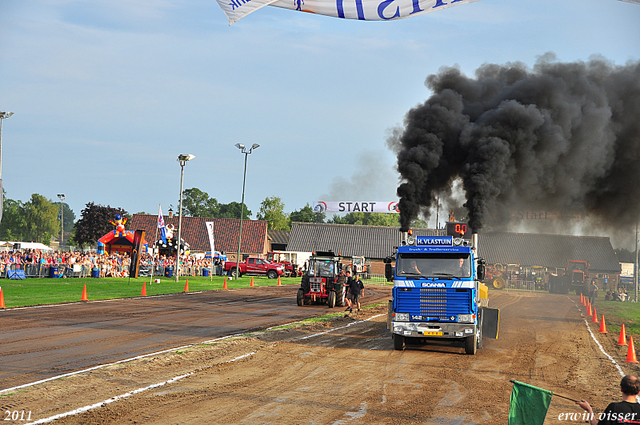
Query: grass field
[35, 291]
[616, 313]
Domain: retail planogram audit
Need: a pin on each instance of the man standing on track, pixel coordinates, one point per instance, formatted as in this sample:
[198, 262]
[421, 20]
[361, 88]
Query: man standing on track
[356, 290]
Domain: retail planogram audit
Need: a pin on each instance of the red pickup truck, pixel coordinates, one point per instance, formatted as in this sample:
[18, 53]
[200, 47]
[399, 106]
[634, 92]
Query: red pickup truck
[255, 266]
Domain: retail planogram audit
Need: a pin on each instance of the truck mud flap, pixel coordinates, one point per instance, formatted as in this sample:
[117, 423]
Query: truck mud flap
[389, 311]
[490, 322]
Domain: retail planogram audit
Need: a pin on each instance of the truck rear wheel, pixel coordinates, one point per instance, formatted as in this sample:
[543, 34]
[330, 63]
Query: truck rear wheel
[232, 272]
[300, 297]
[398, 342]
[470, 344]
[332, 299]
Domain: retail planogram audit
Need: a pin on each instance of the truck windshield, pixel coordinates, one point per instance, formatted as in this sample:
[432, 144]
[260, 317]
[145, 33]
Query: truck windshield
[433, 265]
[321, 268]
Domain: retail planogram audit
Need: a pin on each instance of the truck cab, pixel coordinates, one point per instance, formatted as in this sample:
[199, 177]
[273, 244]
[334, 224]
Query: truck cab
[437, 293]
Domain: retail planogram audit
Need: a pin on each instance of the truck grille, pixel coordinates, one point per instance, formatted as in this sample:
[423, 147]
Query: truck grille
[435, 303]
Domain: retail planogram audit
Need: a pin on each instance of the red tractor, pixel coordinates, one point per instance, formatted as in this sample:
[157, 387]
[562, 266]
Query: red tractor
[574, 279]
[320, 283]
[290, 269]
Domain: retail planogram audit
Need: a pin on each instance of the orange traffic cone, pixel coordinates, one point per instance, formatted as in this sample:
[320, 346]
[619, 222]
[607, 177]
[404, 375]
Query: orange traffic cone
[251, 281]
[225, 284]
[603, 327]
[84, 293]
[279, 284]
[186, 286]
[588, 308]
[1, 299]
[581, 298]
[594, 318]
[631, 352]
[623, 337]
[144, 289]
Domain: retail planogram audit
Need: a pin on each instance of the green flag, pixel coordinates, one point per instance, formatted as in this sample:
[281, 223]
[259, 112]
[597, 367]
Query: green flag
[528, 404]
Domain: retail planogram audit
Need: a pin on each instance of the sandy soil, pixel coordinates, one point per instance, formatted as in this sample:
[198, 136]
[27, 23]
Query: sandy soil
[346, 372]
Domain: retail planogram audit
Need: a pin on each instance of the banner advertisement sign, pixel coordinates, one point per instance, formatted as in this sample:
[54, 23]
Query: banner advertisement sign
[210, 233]
[364, 10]
[134, 268]
[356, 206]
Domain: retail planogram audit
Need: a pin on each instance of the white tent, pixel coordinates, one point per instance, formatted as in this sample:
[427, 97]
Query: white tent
[8, 246]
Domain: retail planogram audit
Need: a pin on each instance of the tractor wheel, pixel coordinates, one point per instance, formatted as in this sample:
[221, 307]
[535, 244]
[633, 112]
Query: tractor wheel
[332, 299]
[300, 297]
[470, 344]
[398, 342]
[498, 283]
[340, 297]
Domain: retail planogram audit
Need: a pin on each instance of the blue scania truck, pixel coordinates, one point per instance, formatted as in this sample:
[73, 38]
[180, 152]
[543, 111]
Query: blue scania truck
[437, 293]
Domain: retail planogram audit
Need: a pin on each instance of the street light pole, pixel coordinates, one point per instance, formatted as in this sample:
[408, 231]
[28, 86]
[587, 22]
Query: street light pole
[62, 197]
[182, 159]
[3, 116]
[244, 179]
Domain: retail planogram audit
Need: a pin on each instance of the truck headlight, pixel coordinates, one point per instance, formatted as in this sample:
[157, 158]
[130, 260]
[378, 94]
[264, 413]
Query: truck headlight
[402, 317]
[465, 318]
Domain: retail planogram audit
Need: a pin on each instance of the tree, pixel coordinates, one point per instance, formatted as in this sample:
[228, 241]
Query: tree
[41, 222]
[197, 203]
[272, 211]
[69, 216]
[306, 215]
[35, 220]
[232, 210]
[95, 222]
[367, 219]
[13, 223]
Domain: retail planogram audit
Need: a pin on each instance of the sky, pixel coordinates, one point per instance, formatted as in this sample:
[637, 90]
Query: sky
[107, 94]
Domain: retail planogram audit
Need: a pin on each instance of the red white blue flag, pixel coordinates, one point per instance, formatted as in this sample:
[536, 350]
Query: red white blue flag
[161, 226]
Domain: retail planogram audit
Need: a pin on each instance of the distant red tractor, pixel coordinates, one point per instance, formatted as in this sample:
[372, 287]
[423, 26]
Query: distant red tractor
[290, 269]
[574, 279]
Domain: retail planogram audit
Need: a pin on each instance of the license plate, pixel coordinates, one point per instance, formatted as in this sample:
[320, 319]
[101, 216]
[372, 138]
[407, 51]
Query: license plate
[432, 333]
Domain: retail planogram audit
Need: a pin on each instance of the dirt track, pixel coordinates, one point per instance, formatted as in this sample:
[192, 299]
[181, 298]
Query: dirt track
[346, 371]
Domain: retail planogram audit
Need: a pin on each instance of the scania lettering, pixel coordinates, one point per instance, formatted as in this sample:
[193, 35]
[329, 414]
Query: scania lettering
[437, 293]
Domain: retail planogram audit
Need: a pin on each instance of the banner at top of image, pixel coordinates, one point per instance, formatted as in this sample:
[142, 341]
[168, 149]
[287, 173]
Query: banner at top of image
[356, 206]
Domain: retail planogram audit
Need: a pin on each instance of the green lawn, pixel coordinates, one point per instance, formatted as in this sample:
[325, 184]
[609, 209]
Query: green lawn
[34, 291]
[616, 313]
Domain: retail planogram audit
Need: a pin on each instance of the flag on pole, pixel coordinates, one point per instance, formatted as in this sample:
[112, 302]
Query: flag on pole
[161, 226]
[209, 225]
[528, 404]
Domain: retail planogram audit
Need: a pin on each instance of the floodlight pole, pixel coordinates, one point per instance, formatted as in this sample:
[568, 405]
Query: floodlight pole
[62, 197]
[3, 116]
[182, 159]
[244, 180]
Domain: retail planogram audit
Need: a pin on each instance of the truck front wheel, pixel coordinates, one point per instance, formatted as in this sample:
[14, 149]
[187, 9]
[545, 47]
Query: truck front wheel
[470, 344]
[272, 274]
[398, 342]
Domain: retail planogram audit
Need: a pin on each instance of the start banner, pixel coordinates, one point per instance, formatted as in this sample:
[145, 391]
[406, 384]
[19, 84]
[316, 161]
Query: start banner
[364, 10]
[356, 206]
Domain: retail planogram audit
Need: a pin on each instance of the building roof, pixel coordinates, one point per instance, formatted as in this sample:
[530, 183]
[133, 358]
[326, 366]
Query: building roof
[279, 236]
[348, 239]
[547, 250]
[194, 232]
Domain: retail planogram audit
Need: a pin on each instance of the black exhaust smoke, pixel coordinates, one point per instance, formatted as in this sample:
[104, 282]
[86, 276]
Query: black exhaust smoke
[562, 137]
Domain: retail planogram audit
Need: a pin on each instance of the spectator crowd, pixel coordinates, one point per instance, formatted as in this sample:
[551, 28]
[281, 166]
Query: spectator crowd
[76, 263]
